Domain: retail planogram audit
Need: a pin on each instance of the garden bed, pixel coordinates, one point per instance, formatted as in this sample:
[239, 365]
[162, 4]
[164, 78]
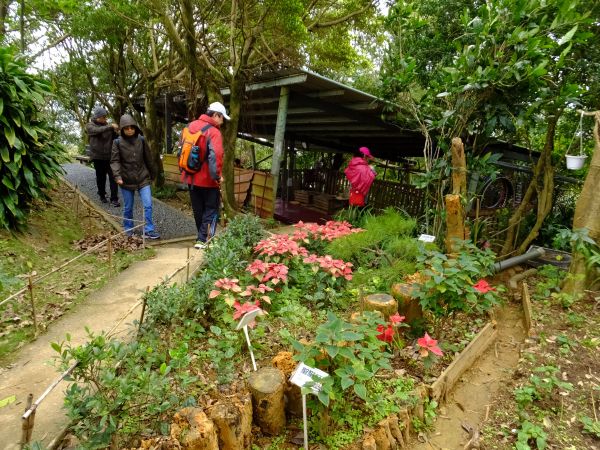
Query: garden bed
[378, 369]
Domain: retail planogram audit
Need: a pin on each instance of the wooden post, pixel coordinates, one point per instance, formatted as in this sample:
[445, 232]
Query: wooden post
[27, 423]
[32, 300]
[109, 256]
[455, 214]
[233, 420]
[278, 141]
[144, 301]
[187, 268]
[408, 305]
[459, 168]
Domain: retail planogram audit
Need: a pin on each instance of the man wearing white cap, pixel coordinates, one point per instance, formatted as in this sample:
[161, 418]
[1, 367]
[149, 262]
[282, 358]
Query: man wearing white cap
[204, 185]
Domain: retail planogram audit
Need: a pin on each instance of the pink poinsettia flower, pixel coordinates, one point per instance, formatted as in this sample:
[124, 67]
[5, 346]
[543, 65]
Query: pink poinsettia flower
[336, 267]
[241, 309]
[276, 273]
[261, 289]
[427, 345]
[257, 268]
[311, 259]
[387, 333]
[397, 318]
[280, 244]
[228, 284]
[483, 287]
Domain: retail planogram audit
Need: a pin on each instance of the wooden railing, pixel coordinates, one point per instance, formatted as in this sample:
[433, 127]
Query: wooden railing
[382, 194]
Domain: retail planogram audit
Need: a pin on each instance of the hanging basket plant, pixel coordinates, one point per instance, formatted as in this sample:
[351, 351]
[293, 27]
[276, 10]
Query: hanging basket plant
[575, 162]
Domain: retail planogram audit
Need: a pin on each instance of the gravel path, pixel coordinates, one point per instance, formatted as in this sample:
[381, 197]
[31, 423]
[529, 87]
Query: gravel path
[169, 222]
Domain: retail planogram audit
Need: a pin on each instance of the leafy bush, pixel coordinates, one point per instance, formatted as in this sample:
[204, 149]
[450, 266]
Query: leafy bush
[450, 285]
[121, 389]
[168, 304]
[30, 155]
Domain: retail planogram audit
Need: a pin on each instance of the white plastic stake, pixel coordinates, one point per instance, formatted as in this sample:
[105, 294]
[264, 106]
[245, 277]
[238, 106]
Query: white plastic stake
[250, 348]
[305, 420]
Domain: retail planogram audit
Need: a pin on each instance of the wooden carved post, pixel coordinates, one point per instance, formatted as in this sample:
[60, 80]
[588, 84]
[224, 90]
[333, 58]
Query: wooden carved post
[267, 388]
[27, 424]
[455, 214]
[109, 256]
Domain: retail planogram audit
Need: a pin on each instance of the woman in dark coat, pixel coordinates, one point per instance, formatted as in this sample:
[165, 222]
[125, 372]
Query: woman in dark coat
[131, 164]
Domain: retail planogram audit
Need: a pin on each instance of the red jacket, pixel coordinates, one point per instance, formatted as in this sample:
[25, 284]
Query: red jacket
[360, 175]
[210, 173]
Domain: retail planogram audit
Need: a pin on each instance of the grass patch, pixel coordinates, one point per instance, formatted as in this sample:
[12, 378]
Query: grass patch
[47, 243]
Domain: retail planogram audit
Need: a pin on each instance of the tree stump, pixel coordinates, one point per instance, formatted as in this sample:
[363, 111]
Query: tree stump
[284, 361]
[384, 303]
[194, 430]
[234, 422]
[369, 443]
[408, 305]
[267, 386]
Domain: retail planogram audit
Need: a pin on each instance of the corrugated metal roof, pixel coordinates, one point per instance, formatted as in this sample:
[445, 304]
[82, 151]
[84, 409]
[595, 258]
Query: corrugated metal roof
[325, 115]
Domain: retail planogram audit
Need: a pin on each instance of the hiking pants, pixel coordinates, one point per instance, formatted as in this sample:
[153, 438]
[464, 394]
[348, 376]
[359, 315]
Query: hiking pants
[103, 170]
[205, 204]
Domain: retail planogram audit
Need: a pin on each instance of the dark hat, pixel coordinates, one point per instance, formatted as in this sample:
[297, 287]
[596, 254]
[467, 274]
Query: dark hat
[99, 112]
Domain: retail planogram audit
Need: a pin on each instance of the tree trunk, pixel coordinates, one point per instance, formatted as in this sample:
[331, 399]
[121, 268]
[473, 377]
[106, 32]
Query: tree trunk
[267, 388]
[154, 131]
[542, 184]
[230, 138]
[587, 215]
[4, 5]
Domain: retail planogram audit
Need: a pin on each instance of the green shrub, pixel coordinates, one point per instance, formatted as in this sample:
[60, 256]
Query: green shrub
[403, 247]
[30, 155]
[166, 305]
[390, 222]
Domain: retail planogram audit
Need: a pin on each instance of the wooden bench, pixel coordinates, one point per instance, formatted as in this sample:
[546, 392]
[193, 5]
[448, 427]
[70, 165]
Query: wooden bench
[83, 159]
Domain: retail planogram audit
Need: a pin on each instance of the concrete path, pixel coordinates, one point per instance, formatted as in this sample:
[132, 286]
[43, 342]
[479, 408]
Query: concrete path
[33, 370]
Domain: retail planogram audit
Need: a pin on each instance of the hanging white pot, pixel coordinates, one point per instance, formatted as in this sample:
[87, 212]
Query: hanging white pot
[575, 162]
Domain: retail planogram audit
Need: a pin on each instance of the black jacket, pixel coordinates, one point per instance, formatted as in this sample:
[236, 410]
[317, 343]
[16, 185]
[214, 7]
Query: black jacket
[101, 138]
[131, 160]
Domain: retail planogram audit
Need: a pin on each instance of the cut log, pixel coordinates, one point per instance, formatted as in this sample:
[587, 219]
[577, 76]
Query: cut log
[381, 439]
[404, 419]
[385, 424]
[194, 430]
[384, 303]
[234, 422]
[408, 305]
[267, 386]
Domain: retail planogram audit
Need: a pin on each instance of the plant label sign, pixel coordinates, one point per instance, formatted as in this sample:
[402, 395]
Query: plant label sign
[248, 318]
[304, 374]
[427, 238]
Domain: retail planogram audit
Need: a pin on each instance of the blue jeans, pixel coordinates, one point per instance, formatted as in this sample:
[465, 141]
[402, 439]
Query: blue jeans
[146, 196]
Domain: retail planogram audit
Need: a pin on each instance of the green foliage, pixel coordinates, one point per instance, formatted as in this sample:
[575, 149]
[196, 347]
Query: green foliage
[370, 248]
[120, 389]
[380, 279]
[350, 353]
[591, 426]
[168, 304]
[227, 255]
[541, 384]
[223, 345]
[551, 279]
[448, 285]
[29, 154]
[354, 215]
[531, 434]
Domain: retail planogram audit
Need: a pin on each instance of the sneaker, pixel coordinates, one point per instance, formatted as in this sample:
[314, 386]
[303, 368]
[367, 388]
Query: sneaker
[151, 235]
[115, 203]
[103, 200]
[200, 245]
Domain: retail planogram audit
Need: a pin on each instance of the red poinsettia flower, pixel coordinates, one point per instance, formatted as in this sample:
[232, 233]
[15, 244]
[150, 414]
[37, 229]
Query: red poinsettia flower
[240, 310]
[387, 333]
[397, 318]
[483, 287]
[276, 273]
[427, 345]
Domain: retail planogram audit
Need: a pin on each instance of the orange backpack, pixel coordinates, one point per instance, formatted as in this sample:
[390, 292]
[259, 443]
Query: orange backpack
[189, 152]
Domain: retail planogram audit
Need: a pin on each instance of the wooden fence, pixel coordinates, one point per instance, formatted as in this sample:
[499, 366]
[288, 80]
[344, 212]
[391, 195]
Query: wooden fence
[382, 194]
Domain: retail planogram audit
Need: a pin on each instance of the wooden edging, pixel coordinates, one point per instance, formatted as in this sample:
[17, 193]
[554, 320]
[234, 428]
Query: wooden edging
[448, 378]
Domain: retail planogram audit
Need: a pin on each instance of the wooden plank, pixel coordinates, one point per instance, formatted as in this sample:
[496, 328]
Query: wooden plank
[527, 310]
[466, 358]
